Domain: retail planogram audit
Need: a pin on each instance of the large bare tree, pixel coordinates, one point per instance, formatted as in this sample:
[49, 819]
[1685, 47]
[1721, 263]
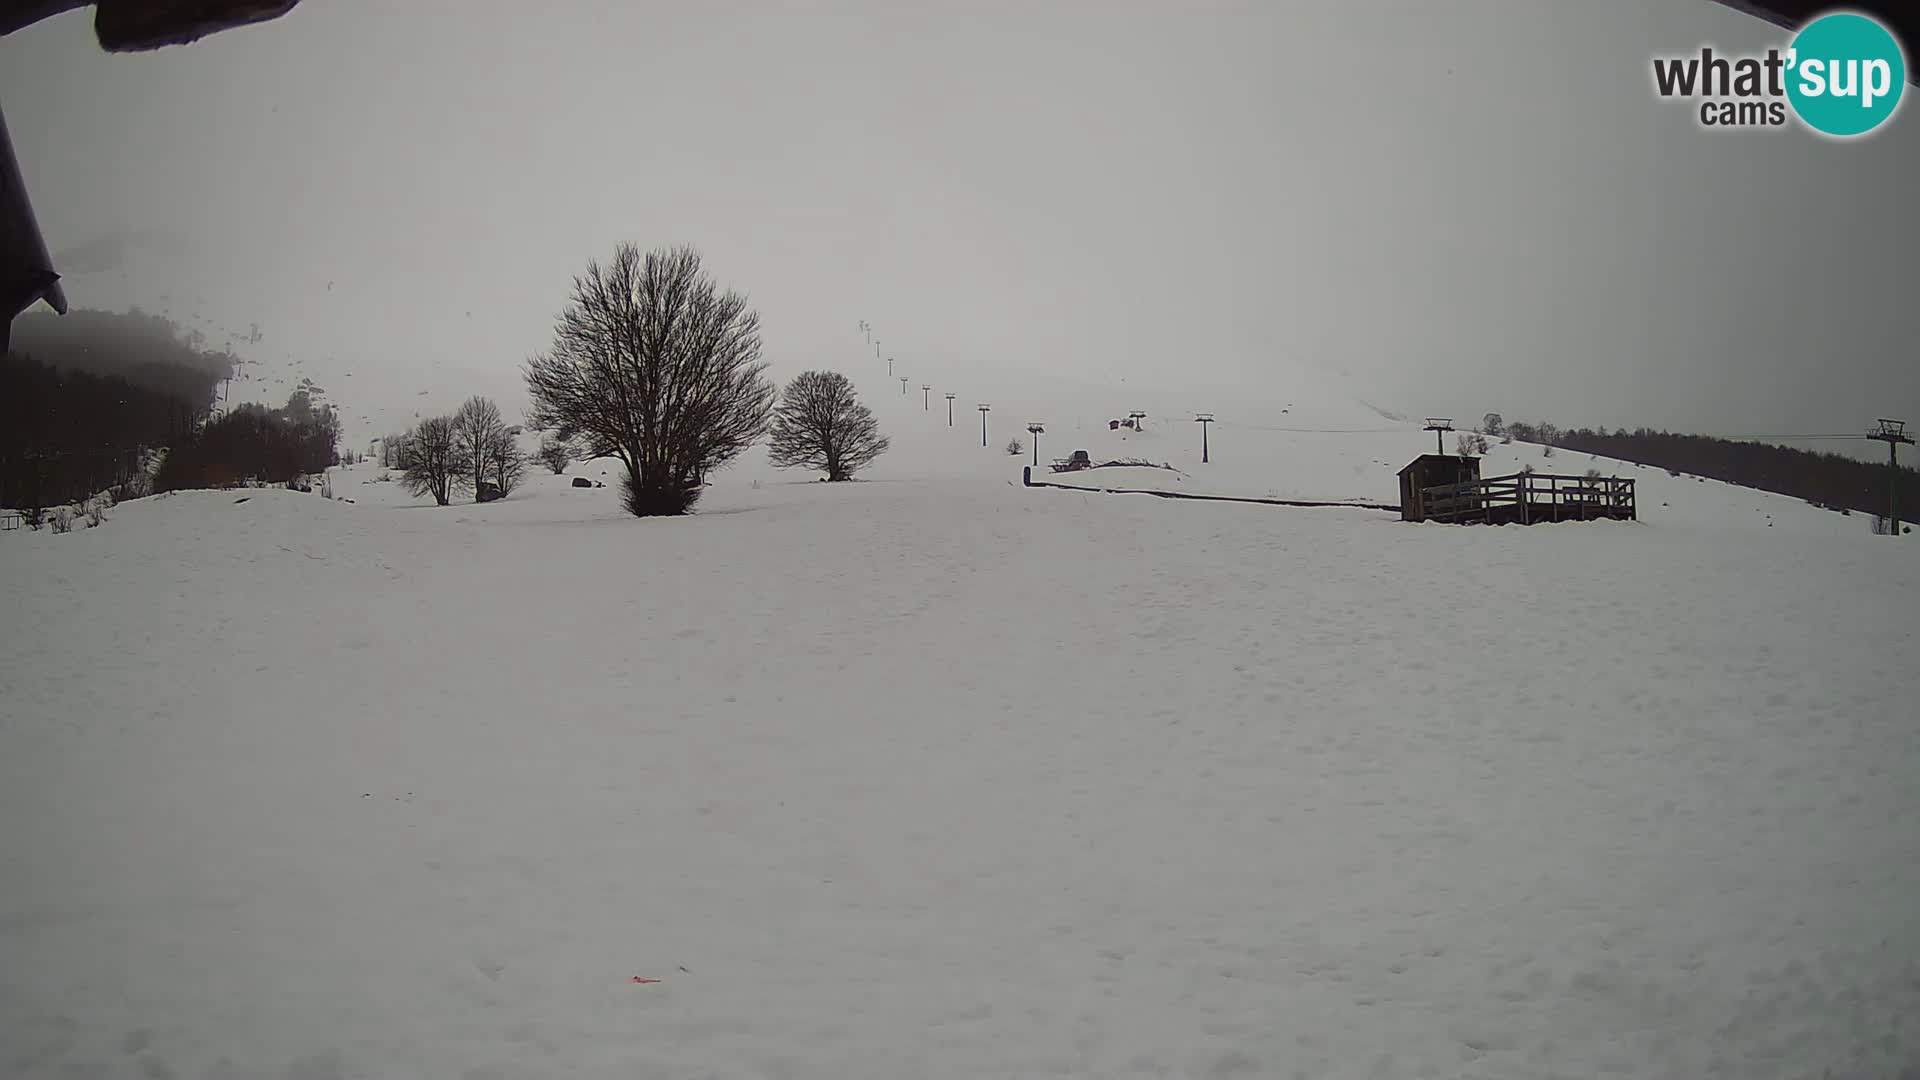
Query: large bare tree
[478, 433]
[819, 424]
[432, 465]
[654, 365]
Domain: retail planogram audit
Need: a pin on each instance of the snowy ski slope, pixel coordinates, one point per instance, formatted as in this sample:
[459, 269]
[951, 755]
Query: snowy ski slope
[934, 775]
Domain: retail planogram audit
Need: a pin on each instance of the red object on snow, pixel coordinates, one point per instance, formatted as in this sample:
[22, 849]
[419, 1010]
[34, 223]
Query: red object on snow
[638, 979]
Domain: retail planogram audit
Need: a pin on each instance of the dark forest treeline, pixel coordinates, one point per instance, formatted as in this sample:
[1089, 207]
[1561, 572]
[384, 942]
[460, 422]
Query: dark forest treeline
[253, 442]
[67, 435]
[87, 397]
[1826, 479]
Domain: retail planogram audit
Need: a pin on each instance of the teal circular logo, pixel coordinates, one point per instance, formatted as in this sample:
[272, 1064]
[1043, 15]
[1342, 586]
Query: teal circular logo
[1844, 75]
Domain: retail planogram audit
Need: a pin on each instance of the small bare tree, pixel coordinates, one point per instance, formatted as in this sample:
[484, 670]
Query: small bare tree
[653, 364]
[555, 454]
[1015, 447]
[433, 466]
[478, 433]
[508, 463]
[820, 425]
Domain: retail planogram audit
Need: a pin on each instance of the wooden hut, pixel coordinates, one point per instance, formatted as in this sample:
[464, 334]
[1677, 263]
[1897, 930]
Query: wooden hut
[1431, 470]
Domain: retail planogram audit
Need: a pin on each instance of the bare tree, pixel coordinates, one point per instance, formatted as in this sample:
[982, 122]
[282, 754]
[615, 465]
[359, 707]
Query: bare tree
[477, 433]
[555, 454]
[653, 364]
[393, 450]
[507, 463]
[433, 468]
[819, 425]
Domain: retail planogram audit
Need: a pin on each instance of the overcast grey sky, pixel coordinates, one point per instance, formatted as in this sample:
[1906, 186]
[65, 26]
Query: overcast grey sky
[1468, 206]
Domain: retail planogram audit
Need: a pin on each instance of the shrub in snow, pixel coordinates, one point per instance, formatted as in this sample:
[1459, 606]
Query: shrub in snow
[96, 513]
[1546, 451]
[554, 454]
[1015, 447]
[62, 519]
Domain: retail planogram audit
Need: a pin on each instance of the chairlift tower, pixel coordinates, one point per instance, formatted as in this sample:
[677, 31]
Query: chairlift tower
[984, 407]
[1204, 420]
[926, 397]
[1035, 430]
[950, 398]
[1439, 425]
[1893, 433]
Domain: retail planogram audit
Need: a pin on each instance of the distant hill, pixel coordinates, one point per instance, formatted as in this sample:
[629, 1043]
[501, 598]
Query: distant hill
[1825, 479]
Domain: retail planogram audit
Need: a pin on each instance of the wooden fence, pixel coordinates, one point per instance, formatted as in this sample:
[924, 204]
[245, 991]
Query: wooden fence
[1529, 498]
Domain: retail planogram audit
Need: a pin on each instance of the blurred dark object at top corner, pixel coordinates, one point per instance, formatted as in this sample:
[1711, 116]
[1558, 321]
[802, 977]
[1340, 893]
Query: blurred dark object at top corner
[27, 274]
[1898, 16]
[26, 270]
[139, 25]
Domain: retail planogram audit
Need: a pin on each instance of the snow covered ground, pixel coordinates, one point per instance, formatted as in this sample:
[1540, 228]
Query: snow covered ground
[934, 775]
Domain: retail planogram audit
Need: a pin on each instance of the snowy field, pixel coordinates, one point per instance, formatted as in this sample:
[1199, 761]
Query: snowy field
[938, 776]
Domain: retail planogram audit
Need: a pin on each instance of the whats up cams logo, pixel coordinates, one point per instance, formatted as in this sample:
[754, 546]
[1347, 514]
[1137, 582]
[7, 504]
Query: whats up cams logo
[1841, 75]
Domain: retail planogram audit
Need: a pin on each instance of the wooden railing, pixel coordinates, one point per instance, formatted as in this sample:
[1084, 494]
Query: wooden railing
[1531, 497]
